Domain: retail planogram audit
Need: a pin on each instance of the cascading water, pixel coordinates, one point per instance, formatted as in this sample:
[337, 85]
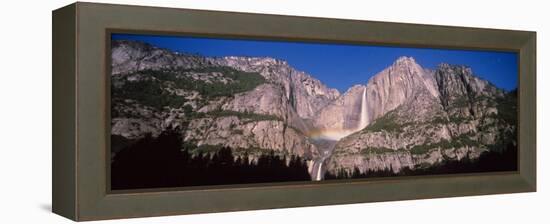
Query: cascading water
[363, 120]
[319, 171]
[325, 142]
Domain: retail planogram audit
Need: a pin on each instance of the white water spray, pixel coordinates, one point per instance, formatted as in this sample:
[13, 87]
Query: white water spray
[319, 169]
[363, 120]
[337, 135]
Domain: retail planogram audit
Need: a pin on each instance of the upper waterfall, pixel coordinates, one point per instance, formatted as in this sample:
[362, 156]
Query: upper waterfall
[363, 120]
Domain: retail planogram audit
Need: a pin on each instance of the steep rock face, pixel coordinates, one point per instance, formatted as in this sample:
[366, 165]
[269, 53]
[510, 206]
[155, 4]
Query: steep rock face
[401, 159]
[270, 100]
[396, 84]
[404, 117]
[463, 118]
[384, 92]
[154, 89]
[343, 113]
[254, 136]
[306, 94]
[458, 85]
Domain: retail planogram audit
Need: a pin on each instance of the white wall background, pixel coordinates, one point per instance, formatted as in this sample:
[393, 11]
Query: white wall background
[25, 114]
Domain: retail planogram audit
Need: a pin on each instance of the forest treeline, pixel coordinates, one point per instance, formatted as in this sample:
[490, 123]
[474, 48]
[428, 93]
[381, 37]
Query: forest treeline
[156, 162]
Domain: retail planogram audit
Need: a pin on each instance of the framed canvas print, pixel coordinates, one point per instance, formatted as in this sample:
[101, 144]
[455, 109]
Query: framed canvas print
[201, 111]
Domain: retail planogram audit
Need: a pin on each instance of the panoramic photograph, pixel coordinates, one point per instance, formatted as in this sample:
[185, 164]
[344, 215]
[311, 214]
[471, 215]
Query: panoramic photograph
[196, 111]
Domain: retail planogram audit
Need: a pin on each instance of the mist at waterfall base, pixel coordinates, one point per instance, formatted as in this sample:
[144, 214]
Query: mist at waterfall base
[326, 139]
[337, 134]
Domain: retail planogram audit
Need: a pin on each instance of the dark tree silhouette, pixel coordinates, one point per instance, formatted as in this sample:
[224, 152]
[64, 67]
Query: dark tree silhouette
[161, 162]
[149, 163]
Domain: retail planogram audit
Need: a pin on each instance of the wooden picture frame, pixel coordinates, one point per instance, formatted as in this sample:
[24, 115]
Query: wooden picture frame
[81, 111]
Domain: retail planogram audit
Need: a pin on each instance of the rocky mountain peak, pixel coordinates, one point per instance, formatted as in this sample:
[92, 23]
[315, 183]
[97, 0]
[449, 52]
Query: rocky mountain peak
[264, 61]
[404, 61]
[457, 68]
[405, 73]
[133, 56]
[385, 91]
[134, 45]
[405, 66]
[462, 116]
[457, 81]
[306, 94]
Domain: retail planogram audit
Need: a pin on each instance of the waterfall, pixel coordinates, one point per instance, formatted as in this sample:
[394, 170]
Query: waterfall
[363, 120]
[319, 170]
[326, 140]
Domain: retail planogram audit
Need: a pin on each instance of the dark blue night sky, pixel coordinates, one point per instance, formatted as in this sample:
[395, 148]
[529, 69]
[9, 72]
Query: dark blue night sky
[341, 66]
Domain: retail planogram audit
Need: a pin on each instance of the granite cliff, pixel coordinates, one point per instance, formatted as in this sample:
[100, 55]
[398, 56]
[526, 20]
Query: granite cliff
[405, 116]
